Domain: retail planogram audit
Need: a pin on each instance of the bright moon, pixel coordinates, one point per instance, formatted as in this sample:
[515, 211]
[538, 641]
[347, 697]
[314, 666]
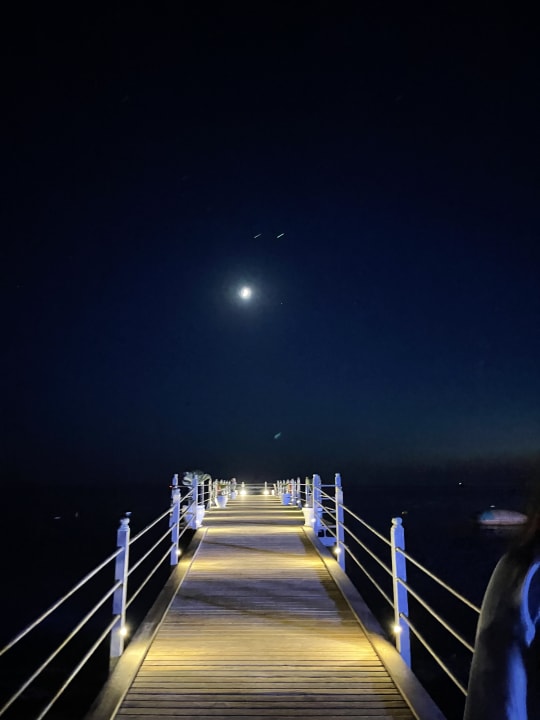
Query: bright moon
[245, 293]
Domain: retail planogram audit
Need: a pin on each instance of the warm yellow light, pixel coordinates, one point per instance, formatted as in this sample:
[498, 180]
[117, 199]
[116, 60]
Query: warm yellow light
[265, 492]
[337, 550]
[123, 631]
[397, 629]
[243, 491]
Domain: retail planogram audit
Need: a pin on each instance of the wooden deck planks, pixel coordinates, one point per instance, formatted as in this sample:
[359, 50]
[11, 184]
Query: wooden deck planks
[259, 629]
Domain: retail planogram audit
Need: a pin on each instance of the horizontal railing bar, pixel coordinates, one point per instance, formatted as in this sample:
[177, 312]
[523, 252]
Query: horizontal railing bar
[366, 549]
[149, 552]
[375, 583]
[146, 580]
[365, 524]
[183, 531]
[58, 650]
[182, 528]
[438, 580]
[438, 617]
[58, 603]
[331, 514]
[149, 527]
[326, 495]
[433, 654]
[81, 664]
[183, 513]
[330, 531]
[326, 508]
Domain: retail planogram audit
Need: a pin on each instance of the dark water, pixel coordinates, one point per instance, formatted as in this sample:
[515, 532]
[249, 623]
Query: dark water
[52, 537]
[442, 534]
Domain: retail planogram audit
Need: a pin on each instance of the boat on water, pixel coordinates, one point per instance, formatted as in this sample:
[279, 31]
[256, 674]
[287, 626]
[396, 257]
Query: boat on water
[499, 517]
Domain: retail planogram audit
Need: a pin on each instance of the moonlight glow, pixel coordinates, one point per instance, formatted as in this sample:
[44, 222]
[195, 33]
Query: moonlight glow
[245, 293]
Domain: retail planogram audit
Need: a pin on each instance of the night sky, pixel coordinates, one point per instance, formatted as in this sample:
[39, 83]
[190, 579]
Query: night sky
[373, 175]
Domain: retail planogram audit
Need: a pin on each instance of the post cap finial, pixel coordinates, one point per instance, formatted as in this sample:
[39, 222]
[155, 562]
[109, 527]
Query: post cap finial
[397, 521]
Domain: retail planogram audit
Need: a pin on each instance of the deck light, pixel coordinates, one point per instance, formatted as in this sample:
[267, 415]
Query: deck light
[123, 631]
[243, 491]
[397, 629]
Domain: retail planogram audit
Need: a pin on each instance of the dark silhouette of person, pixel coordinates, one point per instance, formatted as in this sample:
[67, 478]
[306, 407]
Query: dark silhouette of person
[504, 682]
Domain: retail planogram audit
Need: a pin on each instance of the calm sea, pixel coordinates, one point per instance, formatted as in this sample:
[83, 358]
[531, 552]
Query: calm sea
[51, 537]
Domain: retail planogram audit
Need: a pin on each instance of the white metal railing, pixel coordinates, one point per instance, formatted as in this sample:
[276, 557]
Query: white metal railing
[178, 519]
[326, 513]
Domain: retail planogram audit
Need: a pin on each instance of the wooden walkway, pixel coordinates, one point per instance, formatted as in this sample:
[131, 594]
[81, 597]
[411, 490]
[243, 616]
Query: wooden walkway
[259, 629]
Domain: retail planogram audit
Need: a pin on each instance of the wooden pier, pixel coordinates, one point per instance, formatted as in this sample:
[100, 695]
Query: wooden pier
[258, 621]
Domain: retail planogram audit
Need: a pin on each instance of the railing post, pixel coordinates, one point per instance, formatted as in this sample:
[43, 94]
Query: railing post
[174, 520]
[308, 496]
[401, 603]
[118, 631]
[317, 507]
[203, 497]
[194, 503]
[340, 532]
[206, 492]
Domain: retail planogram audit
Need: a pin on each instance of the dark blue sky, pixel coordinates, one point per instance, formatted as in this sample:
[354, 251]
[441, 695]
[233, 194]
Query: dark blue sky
[396, 321]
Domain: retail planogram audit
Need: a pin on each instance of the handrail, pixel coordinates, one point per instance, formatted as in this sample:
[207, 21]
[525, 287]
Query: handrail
[441, 620]
[150, 526]
[116, 627]
[366, 525]
[428, 647]
[77, 669]
[441, 582]
[373, 581]
[148, 578]
[56, 652]
[326, 517]
[369, 552]
[148, 552]
[59, 602]
[324, 512]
